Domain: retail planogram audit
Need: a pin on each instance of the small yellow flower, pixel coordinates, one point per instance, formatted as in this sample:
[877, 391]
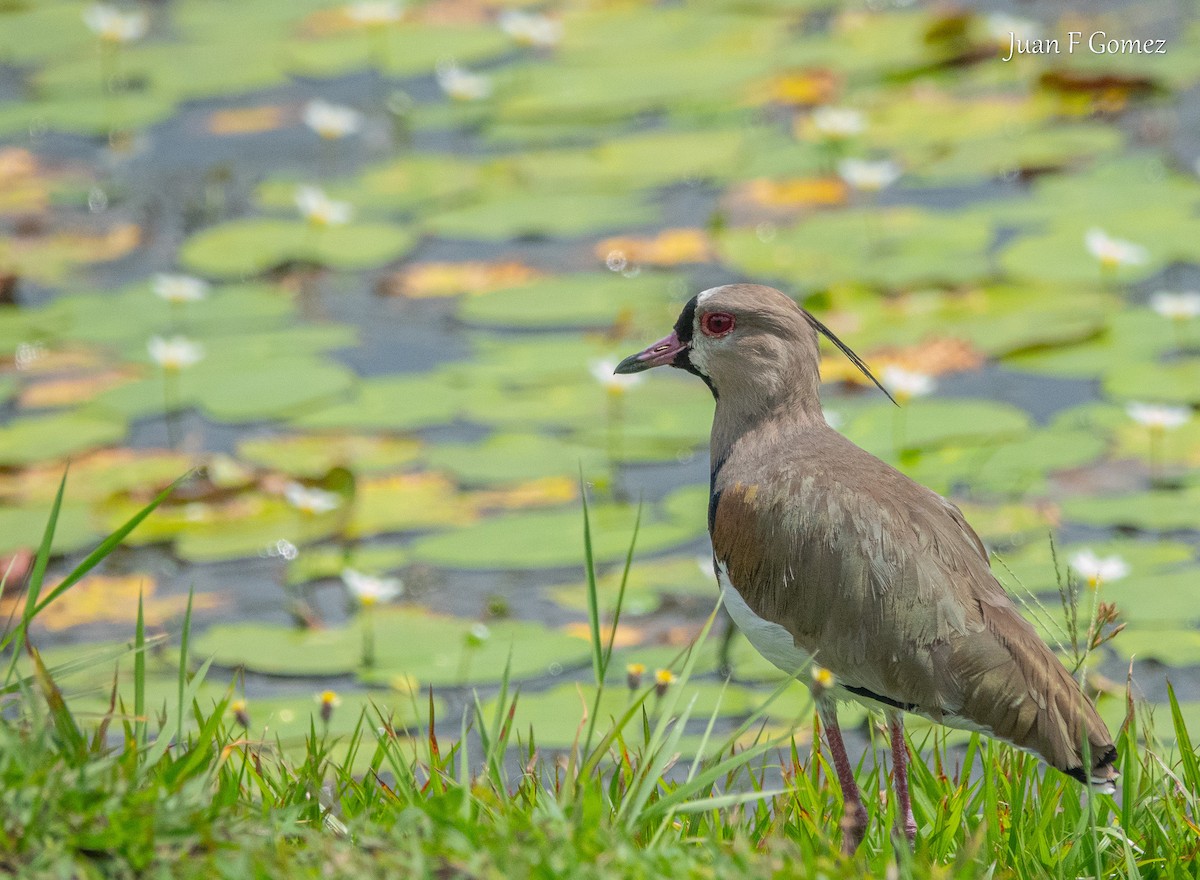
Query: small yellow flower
[663, 679]
[633, 675]
[822, 680]
[329, 701]
[241, 712]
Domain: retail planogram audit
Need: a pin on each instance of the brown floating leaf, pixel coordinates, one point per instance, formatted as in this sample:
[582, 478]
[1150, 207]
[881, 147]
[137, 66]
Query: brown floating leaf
[670, 247]
[535, 493]
[451, 279]
[22, 186]
[798, 192]
[801, 88]
[104, 599]
[67, 390]
[932, 357]
[247, 120]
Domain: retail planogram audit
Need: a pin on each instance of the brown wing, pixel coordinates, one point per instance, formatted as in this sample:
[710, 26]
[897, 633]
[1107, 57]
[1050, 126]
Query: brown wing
[884, 581]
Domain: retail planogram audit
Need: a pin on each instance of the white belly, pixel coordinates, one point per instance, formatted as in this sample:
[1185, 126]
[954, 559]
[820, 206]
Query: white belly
[769, 639]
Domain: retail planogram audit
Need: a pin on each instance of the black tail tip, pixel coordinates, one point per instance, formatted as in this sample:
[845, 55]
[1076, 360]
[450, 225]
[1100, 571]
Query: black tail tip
[1102, 775]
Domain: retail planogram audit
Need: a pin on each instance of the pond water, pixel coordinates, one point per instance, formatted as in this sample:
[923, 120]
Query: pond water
[429, 365]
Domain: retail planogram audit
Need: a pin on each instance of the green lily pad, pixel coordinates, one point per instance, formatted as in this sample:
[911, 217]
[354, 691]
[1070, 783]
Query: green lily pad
[550, 538]
[22, 526]
[1172, 646]
[556, 716]
[229, 392]
[1158, 511]
[892, 248]
[513, 458]
[1176, 382]
[319, 563]
[313, 455]
[417, 181]
[408, 642]
[519, 214]
[406, 502]
[588, 300]
[41, 438]
[243, 248]
[390, 403]
[929, 423]
[650, 584]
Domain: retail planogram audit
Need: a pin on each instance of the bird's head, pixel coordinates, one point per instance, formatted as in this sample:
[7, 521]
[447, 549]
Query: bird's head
[749, 343]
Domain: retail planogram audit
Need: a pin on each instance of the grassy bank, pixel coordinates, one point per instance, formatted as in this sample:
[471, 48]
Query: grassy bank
[182, 790]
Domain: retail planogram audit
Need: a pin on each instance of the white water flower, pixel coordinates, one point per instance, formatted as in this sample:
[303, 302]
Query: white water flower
[331, 121]
[308, 499]
[112, 25]
[1183, 306]
[1113, 252]
[531, 29]
[374, 13]
[614, 383]
[868, 175]
[1097, 570]
[180, 288]
[462, 85]
[175, 353]
[368, 589]
[1157, 417]
[907, 384]
[320, 210]
[837, 123]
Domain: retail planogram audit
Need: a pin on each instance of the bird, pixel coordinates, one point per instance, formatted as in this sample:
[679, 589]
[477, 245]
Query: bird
[825, 554]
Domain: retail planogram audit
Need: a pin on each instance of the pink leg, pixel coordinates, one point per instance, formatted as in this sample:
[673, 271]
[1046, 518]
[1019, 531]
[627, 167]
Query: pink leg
[900, 775]
[854, 819]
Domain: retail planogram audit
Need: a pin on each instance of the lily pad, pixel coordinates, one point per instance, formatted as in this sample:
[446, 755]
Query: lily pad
[892, 248]
[408, 642]
[929, 423]
[390, 403]
[513, 458]
[550, 538]
[244, 248]
[1158, 511]
[542, 214]
[22, 526]
[41, 438]
[319, 563]
[314, 455]
[650, 584]
[589, 300]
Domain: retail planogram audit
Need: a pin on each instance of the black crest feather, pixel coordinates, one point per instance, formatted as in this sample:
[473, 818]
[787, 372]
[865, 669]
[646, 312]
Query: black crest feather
[848, 352]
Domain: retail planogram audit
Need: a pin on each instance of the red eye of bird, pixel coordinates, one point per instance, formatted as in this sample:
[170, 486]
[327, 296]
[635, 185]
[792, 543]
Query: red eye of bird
[716, 323]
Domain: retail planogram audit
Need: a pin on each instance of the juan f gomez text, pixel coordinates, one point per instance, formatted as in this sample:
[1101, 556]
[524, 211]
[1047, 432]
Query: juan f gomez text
[1097, 43]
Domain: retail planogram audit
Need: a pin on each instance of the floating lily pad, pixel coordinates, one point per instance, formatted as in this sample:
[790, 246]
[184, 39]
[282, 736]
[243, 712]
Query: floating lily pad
[591, 300]
[926, 423]
[318, 563]
[1159, 511]
[315, 454]
[243, 248]
[542, 214]
[22, 526]
[428, 648]
[650, 584]
[892, 248]
[229, 392]
[556, 715]
[550, 538]
[391, 403]
[512, 458]
[1172, 646]
[406, 502]
[411, 182]
[41, 438]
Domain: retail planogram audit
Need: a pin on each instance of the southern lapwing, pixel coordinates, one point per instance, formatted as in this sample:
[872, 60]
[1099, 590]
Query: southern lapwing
[824, 552]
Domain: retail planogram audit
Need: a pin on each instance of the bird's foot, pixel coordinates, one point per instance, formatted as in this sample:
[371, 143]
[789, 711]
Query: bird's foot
[854, 828]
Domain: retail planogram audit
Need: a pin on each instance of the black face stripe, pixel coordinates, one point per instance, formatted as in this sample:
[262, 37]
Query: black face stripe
[683, 332]
[683, 327]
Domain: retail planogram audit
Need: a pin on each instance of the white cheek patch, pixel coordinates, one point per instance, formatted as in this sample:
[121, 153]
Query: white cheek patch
[698, 353]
